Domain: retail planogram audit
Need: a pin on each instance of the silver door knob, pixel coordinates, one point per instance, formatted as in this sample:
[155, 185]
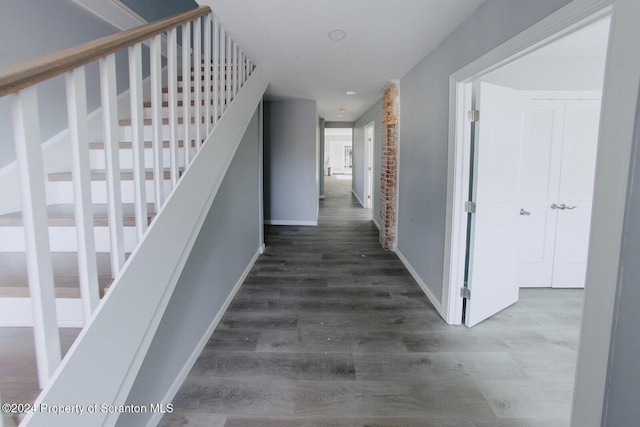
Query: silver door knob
[563, 207]
[523, 212]
[554, 207]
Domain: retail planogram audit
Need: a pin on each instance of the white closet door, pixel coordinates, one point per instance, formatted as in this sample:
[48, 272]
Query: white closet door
[576, 193]
[538, 190]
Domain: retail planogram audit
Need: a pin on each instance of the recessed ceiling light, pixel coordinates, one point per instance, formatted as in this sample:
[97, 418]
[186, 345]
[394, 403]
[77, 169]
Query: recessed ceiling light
[351, 92]
[337, 35]
[340, 115]
[343, 110]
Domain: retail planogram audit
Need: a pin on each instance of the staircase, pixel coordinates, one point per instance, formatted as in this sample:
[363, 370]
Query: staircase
[60, 210]
[156, 173]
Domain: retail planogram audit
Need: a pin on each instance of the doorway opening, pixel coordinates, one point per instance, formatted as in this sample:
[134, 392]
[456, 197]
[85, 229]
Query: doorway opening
[338, 152]
[368, 164]
[509, 227]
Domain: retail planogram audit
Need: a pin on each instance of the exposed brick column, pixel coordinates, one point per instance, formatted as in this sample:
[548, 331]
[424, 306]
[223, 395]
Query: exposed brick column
[389, 166]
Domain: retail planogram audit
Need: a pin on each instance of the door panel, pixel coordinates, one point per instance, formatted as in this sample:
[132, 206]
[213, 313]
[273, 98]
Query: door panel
[540, 179]
[576, 192]
[491, 277]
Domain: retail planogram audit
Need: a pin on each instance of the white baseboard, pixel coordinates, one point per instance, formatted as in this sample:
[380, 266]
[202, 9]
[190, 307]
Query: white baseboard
[432, 299]
[290, 222]
[175, 387]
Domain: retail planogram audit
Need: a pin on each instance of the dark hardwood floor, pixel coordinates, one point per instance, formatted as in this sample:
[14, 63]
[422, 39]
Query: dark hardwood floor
[330, 330]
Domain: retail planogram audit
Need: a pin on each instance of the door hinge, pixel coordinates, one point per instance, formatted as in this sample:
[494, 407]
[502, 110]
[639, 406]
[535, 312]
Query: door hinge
[474, 115]
[470, 207]
[465, 293]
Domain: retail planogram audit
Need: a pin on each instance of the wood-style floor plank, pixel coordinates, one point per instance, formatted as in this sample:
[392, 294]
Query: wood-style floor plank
[330, 330]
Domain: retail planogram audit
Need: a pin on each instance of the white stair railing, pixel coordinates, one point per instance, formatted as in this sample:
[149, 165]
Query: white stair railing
[218, 72]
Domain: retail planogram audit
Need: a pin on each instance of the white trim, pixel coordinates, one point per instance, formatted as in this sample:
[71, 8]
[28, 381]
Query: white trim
[175, 387]
[260, 173]
[432, 299]
[290, 222]
[375, 222]
[574, 16]
[369, 150]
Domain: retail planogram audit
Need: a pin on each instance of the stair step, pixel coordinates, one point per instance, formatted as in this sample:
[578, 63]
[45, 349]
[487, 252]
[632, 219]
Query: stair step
[23, 292]
[165, 121]
[15, 283]
[202, 89]
[127, 145]
[165, 104]
[63, 215]
[99, 175]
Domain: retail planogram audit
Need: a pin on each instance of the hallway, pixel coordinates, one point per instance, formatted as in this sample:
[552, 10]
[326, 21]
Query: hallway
[330, 330]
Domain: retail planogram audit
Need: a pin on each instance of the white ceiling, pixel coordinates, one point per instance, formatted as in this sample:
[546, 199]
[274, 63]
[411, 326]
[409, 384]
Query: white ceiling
[385, 39]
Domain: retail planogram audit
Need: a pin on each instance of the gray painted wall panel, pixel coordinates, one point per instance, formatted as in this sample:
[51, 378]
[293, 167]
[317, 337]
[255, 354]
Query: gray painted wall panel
[60, 24]
[290, 178]
[424, 119]
[226, 244]
[158, 9]
[374, 114]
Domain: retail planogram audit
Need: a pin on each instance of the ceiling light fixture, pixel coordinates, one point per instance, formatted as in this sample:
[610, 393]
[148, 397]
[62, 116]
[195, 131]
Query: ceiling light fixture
[340, 115]
[337, 35]
[351, 92]
[343, 110]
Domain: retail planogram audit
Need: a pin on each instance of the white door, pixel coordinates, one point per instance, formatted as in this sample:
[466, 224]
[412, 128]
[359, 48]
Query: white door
[558, 168]
[368, 150]
[496, 158]
[539, 182]
[575, 196]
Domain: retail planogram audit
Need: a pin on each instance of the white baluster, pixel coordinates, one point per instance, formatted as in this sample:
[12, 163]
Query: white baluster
[137, 146]
[155, 54]
[207, 73]
[197, 68]
[26, 129]
[227, 70]
[172, 75]
[236, 68]
[223, 70]
[243, 69]
[87, 266]
[186, 94]
[216, 70]
[112, 161]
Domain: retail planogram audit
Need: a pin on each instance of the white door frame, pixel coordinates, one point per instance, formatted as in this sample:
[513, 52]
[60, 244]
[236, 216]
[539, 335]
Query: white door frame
[574, 16]
[618, 122]
[368, 163]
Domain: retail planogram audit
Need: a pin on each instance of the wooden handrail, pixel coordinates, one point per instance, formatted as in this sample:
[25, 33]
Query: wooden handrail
[19, 76]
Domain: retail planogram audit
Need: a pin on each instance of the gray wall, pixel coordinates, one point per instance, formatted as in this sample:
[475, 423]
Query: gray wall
[290, 162]
[622, 401]
[374, 114]
[59, 24]
[226, 244]
[158, 9]
[424, 120]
